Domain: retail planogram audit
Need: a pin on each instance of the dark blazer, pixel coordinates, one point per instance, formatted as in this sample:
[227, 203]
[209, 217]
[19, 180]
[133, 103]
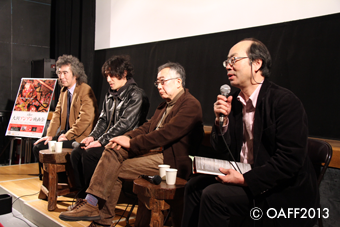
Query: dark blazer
[83, 113]
[282, 172]
[181, 134]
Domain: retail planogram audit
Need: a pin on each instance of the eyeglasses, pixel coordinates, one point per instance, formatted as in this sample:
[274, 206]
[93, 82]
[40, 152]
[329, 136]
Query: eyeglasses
[163, 81]
[232, 61]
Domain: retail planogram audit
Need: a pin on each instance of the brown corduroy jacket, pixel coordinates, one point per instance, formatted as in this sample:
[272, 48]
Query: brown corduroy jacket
[180, 135]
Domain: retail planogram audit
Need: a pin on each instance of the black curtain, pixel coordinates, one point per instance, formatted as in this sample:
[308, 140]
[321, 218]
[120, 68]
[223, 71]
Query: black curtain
[73, 31]
[305, 61]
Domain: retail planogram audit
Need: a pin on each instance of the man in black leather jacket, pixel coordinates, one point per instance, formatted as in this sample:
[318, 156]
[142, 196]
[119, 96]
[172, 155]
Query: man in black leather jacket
[124, 108]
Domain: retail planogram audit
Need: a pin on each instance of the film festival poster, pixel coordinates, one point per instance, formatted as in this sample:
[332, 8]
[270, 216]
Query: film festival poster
[31, 107]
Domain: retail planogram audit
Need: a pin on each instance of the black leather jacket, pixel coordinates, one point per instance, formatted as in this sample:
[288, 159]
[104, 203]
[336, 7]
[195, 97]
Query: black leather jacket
[121, 114]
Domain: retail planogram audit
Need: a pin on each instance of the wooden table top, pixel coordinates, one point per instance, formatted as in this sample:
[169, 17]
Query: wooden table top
[161, 191]
[46, 156]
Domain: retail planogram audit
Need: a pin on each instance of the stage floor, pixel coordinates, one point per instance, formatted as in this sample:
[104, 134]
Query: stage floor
[23, 184]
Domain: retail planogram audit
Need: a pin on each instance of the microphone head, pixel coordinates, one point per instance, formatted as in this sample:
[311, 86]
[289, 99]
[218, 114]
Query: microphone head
[75, 144]
[156, 180]
[225, 90]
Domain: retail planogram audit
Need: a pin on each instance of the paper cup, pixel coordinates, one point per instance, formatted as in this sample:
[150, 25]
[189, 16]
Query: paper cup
[171, 175]
[162, 169]
[51, 145]
[58, 147]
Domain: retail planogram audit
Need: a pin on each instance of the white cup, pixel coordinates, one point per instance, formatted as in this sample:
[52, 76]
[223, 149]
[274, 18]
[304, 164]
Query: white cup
[171, 175]
[58, 147]
[162, 169]
[51, 145]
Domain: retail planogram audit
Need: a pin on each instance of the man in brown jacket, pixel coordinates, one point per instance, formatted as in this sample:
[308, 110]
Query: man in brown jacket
[174, 132]
[76, 110]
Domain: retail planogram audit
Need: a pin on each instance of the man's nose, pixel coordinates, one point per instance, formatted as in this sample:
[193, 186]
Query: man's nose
[228, 67]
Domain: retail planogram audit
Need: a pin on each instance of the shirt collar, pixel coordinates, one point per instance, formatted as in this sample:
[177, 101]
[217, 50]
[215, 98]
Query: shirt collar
[71, 90]
[172, 102]
[253, 97]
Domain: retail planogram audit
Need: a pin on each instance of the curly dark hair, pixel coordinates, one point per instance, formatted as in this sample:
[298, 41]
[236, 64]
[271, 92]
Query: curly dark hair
[76, 67]
[258, 50]
[177, 68]
[117, 65]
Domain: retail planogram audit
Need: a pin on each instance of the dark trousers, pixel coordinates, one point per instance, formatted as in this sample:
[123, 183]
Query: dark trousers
[41, 146]
[210, 203]
[84, 163]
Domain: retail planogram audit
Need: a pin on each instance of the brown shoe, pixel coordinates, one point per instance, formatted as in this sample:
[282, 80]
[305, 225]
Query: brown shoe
[79, 200]
[83, 211]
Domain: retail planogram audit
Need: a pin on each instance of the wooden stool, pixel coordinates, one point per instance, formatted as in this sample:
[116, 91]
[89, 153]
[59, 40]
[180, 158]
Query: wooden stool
[54, 163]
[154, 196]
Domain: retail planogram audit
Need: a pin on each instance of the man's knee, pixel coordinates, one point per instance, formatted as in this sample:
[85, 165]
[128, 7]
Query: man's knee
[225, 195]
[118, 155]
[76, 154]
[37, 148]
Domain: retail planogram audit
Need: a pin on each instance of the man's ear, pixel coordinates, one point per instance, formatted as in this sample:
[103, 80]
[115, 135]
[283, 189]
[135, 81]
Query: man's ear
[257, 63]
[125, 74]
[179, 80]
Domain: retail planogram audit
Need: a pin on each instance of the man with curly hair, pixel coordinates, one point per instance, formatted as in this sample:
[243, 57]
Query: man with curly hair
[124, 108]
[76, 111]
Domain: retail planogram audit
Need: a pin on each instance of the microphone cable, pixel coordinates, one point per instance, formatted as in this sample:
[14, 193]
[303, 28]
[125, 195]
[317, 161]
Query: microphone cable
[225, 143]
[19, 212]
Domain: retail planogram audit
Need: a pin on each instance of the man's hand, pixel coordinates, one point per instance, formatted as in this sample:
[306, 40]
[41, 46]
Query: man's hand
[222, 106]
[62, 137]
[118, 142]
[231, 177]
[87, 140]
[46, 138]
[93, 144]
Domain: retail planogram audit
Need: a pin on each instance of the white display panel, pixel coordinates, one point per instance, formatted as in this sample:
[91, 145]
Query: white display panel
[130, 22]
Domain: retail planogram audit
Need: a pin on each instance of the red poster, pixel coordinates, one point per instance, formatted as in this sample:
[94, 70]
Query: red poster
[31, 107]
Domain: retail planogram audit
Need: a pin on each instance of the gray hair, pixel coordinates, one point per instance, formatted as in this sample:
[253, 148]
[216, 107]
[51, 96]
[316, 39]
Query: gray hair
[76, 67]
[175, 67]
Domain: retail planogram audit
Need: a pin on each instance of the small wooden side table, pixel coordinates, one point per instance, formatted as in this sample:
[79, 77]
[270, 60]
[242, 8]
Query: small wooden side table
[157, 197]
[54, 163]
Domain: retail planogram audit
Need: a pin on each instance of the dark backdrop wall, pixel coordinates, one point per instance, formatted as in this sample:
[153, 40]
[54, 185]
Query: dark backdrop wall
[305, 61]
[24, 36]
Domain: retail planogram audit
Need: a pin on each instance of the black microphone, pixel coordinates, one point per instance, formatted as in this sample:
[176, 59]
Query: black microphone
[75, 144]
[225, 90]
[152, 179]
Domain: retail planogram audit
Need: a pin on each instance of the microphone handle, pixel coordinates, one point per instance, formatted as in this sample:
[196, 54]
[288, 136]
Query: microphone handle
[221, 119]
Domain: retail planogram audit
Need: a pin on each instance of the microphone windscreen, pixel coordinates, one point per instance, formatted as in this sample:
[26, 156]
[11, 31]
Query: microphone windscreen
[75, 144]
[225, 90]
[157, 180]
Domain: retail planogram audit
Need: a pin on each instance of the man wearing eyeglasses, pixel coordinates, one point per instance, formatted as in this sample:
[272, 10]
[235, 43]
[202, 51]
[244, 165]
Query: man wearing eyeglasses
[174, 131]
[265, 126]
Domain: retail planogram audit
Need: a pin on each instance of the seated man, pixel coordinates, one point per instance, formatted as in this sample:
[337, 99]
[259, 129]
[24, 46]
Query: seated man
[76, 111]
[265, 125]
[124, 108]
[174, 131]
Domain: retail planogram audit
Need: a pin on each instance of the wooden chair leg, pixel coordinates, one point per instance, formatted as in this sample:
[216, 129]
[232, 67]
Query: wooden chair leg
[53, 184]
[44, 187]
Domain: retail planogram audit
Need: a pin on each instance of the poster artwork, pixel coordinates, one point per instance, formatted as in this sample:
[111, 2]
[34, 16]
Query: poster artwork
[31, 107]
